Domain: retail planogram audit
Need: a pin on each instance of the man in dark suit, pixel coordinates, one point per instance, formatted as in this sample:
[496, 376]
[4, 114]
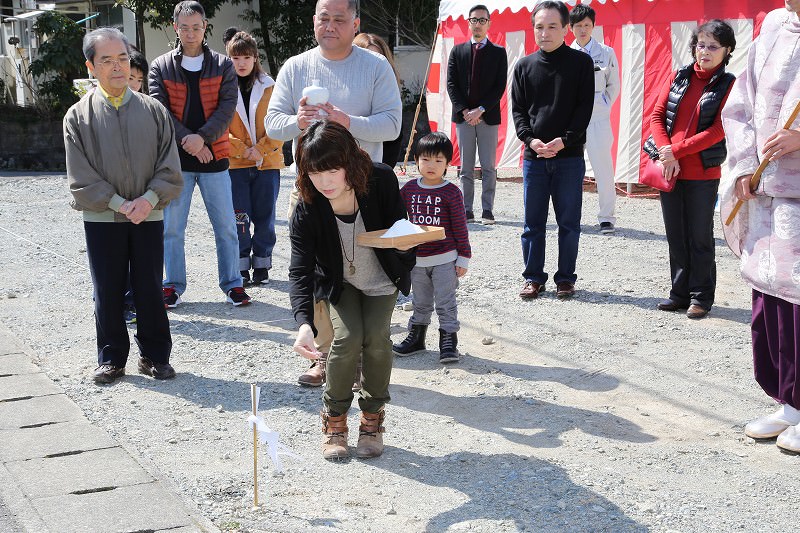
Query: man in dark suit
[476, 79]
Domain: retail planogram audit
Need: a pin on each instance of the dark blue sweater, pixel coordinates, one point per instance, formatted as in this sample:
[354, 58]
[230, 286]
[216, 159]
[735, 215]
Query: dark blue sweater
[552, 95]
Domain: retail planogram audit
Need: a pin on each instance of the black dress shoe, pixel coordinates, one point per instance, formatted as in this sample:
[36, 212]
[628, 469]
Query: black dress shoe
[157, 370]
[670, 305]
[696, 311]
[108, 373]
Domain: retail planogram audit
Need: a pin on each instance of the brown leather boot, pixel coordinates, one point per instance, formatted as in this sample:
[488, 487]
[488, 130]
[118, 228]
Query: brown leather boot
[370, 435]
[357, 378]
[334, 446]
[314, 376]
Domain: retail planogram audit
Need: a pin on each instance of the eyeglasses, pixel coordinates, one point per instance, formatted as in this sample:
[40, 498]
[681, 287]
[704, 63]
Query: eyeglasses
[191, 29]
[108, 63]
[710, 47]
[480, 21]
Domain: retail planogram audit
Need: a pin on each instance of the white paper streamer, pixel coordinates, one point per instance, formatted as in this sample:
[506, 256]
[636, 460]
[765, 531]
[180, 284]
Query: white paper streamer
[271, 439]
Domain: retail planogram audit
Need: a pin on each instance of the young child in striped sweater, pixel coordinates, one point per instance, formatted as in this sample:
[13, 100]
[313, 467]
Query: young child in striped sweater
[433, 201]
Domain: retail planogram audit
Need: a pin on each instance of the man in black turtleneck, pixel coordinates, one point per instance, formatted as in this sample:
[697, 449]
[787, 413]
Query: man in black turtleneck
[552, 97]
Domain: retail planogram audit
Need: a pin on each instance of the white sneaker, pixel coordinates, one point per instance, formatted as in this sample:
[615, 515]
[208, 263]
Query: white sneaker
[790, 439]
[773, 425]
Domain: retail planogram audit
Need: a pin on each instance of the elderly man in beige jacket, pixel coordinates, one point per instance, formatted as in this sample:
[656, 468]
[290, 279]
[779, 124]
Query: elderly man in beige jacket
[123, 169]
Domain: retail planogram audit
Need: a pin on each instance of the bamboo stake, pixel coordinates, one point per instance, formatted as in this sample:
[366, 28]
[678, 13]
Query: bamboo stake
[419, 101]
[255, 446]
[756, 177]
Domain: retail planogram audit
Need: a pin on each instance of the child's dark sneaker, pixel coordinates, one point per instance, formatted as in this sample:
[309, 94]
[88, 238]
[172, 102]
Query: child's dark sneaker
[260, 276]
[129, 314]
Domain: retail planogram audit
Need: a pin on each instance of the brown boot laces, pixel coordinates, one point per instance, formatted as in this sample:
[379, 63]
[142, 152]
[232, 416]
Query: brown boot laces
[334, 427]
[371, 424]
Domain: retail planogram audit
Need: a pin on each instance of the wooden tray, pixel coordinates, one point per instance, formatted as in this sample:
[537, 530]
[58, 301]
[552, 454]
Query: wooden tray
[373, 239]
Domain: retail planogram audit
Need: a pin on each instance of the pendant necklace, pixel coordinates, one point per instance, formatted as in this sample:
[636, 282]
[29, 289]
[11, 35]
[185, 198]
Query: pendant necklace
[352, 268]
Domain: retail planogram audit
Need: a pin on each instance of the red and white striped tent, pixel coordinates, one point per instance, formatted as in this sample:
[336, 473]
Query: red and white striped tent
[650, 37]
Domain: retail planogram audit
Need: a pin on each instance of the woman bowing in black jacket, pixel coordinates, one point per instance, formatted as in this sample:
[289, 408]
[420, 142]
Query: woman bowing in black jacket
[343, 193]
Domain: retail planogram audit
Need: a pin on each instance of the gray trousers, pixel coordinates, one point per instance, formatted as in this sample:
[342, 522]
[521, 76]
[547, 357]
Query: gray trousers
[485, 138]
[435, 284]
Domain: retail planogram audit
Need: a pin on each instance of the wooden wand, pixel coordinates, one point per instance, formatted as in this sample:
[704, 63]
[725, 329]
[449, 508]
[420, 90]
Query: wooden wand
[756, 178]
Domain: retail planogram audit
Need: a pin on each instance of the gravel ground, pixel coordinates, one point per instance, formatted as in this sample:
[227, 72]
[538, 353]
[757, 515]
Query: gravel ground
[595, 414]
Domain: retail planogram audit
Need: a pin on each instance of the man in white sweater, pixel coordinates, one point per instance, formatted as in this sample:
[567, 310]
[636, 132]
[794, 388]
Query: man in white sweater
[363, 97]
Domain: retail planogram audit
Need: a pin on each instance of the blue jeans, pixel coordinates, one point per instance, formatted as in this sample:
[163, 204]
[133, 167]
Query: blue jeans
[216, 190]
[255, 193]
[561, 180]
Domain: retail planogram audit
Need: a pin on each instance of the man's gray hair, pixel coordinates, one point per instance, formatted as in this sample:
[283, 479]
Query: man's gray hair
[188, 7]
[90, 41]
[352, 6]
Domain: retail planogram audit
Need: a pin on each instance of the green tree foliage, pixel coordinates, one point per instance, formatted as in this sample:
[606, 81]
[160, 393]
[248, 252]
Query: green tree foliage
[283, 28]
[158, 13]
[60, 60]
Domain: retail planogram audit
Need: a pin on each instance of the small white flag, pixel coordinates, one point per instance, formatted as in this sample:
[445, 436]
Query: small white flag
[271, 439]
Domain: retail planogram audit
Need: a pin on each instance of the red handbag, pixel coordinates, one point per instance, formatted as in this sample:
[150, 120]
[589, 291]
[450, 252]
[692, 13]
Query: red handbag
[653, 176]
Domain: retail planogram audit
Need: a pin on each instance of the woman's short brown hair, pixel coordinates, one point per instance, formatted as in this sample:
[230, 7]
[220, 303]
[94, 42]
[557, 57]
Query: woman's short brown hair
[327, 145]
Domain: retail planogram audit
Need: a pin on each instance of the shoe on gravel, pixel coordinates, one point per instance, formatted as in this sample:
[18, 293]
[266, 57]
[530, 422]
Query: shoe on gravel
[772, 425]
[237, 297]
[414, 341]
[448, 347]
[260, 276]
[157, 370]
[108, 373]
[171, 297]
[129, 314]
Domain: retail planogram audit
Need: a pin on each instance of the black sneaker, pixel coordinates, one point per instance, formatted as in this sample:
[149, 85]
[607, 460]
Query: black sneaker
[129, 314]
[470, 216]
[108, 373]
[245, 277]
[488, 218]
[606, 228]
[157, 370]
[237, 297]
[260, 276]
[171, 297]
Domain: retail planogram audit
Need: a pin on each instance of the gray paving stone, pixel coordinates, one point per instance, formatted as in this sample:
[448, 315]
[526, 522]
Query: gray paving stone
[37, 411]
[66, 437]
[187, 529]
[112, 467]
[144, 507]
[23, 517]
[17, 363]
[28, 385]
[9, 343]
